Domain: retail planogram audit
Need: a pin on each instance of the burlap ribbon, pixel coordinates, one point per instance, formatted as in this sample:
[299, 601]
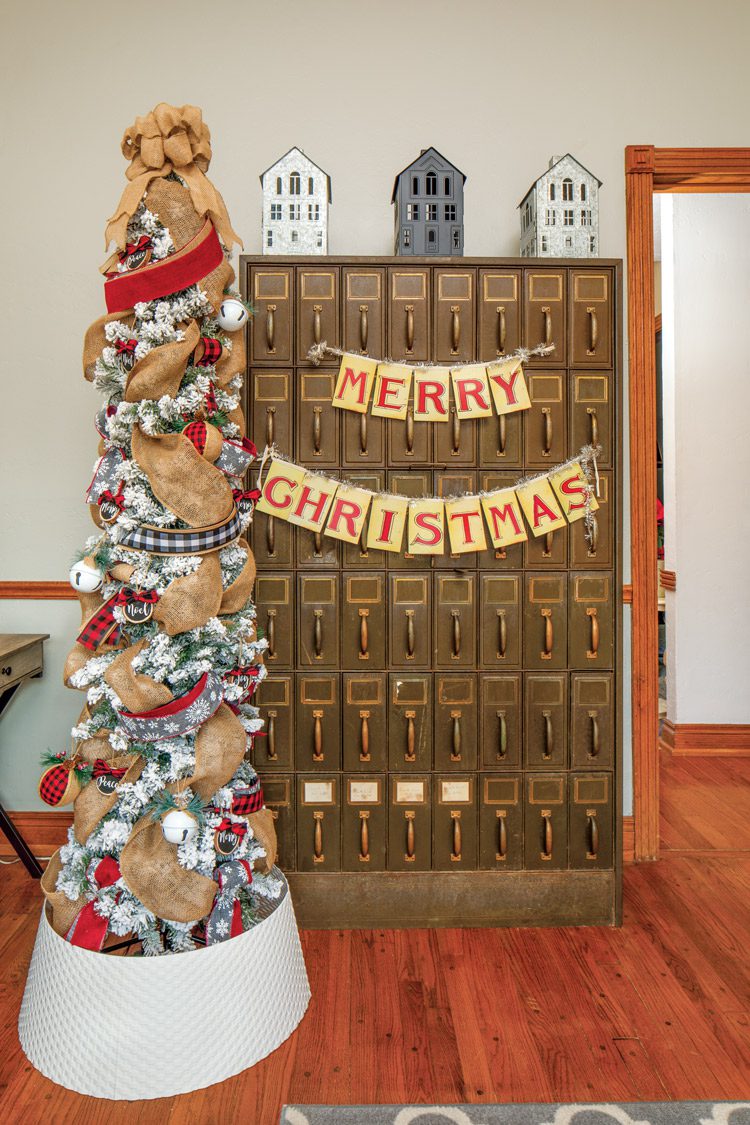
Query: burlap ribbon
[161, 370]
[169, 139]
[237, 593]
[137, 692]
[171, 461]
[95, 340]
[91, 805]
[152, 872]
[190, 601]
[219, 749]
[264, 831]
[64, 910]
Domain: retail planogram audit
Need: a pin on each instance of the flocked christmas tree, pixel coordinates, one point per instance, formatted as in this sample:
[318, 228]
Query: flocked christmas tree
[170, 841]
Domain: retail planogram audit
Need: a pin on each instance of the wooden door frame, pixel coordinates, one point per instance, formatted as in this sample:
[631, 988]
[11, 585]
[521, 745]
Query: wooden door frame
[649, 170]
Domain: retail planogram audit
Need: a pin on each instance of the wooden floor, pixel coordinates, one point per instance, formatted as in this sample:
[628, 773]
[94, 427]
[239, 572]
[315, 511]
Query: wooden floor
[658, 1010]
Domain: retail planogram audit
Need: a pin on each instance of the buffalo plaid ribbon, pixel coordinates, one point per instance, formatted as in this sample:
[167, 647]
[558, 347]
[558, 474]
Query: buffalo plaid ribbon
[143, 243]
[212, 405]
[239, 827]
[211, 352]
[102, 626]
[245, 499]
[196, 433]
[54, 782]
[104, 769]
[187, 541]
[248, 800]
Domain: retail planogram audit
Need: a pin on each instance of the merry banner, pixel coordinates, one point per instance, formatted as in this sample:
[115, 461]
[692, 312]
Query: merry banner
[431, 525]
[389, 390]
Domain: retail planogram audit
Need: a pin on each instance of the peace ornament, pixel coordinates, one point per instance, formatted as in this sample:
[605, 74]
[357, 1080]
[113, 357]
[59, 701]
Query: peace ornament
[178, 826]
[232, 314]
[86, 576]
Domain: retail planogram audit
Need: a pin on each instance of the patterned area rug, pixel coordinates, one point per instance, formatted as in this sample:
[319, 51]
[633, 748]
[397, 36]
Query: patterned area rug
[633, 1113]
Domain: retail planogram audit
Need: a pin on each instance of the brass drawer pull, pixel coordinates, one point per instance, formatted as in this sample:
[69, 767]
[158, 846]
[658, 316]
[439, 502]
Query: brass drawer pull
[455, 433]
[271, 632]
[500, 329]
[363, 552]
[409, 634]
[363, 634]
[547, 552]
[546, 313]
[549, 735]
[593, 537]
[593, 331]
[317, 309]
[548, 634]
[502, 739]
[364, 328]
[456, 634]
[547, 443]
[593, 652]
[502, 435]
[318, 632]
[364, 736]
[410, 755]
[270, 424]
[409, 430]
[502, 634]
[318, 754]
[456, 852]
[271, 737]
[547, 835]
[364, 836]
[270, 536]
[411, 844]
[409, 328]
[318, 544]
[455, 328]
[593, 424]
[318, 856]
[317, 427]
[595, 742]
[363, 435]
[502, 835]
[456, 736]
[270, 328]
[593, 828]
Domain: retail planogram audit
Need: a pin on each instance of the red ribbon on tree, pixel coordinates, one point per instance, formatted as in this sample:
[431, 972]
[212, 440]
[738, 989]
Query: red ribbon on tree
[212, 405]
[126, 595]
[89, 928]
[104, 769]
[143, 243]
[117, 498]
[211, 352]
[245, 801]
[126, 347]
[227, 825]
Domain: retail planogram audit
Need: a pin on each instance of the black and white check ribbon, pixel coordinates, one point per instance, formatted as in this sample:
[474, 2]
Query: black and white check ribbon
[184, 541]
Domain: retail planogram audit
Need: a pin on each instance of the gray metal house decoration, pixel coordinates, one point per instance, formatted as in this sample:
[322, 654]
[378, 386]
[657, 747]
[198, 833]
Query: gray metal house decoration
[296, 195]
[429, 199]
[560, 212]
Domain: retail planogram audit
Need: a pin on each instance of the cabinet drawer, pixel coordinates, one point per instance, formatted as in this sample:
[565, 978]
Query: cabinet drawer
[591, 621]
[364, 306]
[271, 408]
[271, 540]
[500, 620]
[548, 550]
[545, 626]
[591, 828]
[590, 318]
[501, 440]
[499, 313]
[544, 422]
[448, 484]
[317, 312]
[455, 441]
[455, 316]
[409, 315]
[316, 551]
[591, 414]
[356, 555]
[455, 743]
[414, 484]
[318, 824]
[364, 823]
[409, 605]
[275, 699]
[364, 721]
[455, 621]
[409, 721]
[408, 442]
[410, 824]
[318, 423]
[275, 608]
[592, 721]
[545, 823]
[598, 549]
[545, 734]
[363, 625]
[271, 326]
[454, 823]
[318, 724]
[501, 822]
[501, 721]
[544, 313]
[317, 621]
[278, 793]
[364, 439]
[504, 558]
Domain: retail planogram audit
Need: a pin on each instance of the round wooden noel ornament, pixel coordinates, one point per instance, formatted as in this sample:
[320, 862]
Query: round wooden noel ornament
[60, 784]
[138, 605]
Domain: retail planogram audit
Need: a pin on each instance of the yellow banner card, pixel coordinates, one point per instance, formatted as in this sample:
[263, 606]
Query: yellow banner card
[471, 391]
[392, 388]
[504, 520]
[348, 513]
[465, 525]
[312, 502]
[354, 384]
[385, 529]
[508, 386]
[540, 507]
[280, 488]
[431, 395]
[570, 487]
[426, 533]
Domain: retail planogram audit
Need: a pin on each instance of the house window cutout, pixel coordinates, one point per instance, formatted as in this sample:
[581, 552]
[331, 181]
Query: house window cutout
[585, 218]
[431, 212]
[447, 185]
[568, 218]
[583, 193]
[406, 237]
[550, 217]
[276, 212]
[456, 238]
[592, 243]
[551, 193]
[278, 185]
[431, 238]
[313, 212]
[295, 236]
[431, 184]
[415, 185]
[450, 212]
[269, 238]
[567, 191]
[568, 243]
[295, 184]
[294, 211]
[545, 244]
[412, 211]
[319, 239]
[310, 185]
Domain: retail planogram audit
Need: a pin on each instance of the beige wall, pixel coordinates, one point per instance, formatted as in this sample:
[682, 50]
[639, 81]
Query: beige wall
[497, 85]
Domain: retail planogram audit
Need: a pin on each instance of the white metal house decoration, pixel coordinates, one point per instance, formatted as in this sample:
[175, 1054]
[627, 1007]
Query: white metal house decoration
[560, 212]
[296, 195]
[429, 200]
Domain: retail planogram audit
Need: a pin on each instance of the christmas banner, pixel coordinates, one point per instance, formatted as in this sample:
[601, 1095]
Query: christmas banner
[386, 390]
[430, 525]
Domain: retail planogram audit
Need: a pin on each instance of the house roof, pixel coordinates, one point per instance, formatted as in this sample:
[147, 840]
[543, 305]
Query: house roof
[296, 148]
[552, 167]
[421, 155]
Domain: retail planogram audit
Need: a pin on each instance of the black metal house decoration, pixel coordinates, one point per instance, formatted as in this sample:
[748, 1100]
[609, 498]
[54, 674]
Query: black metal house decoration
[429, 199]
